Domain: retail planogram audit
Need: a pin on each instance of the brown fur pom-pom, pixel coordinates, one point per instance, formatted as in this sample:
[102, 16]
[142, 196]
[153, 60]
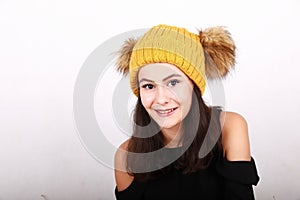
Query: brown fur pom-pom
[124, 55]
[219, 51]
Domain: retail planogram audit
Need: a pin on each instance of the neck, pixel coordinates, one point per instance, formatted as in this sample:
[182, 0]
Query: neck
[172, 136]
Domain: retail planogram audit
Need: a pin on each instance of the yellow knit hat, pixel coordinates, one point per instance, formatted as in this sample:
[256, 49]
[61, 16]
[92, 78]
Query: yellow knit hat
[210, 53]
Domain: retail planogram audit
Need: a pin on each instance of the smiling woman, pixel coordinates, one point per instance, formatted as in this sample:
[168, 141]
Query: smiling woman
[168, 67]
[166, 94]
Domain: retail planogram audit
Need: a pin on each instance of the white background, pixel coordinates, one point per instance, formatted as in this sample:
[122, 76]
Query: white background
[44, 43]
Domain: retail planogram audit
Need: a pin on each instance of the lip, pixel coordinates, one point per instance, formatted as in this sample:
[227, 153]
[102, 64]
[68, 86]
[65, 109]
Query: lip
[165, 112]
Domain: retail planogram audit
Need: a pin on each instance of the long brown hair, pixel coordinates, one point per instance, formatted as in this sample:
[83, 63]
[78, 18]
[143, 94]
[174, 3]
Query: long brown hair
[201, 121]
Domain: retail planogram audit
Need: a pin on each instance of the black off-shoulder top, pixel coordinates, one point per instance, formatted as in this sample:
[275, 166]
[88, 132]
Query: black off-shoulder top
[222, 180]
[228, 180]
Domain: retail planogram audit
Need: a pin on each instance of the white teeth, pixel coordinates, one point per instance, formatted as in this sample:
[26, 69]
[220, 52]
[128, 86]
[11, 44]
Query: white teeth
[165, 111]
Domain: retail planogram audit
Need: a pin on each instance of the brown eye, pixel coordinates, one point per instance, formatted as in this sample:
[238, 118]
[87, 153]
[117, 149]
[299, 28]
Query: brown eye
[148, 86]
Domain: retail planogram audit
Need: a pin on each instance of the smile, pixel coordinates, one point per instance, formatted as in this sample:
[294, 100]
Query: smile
[165, 112]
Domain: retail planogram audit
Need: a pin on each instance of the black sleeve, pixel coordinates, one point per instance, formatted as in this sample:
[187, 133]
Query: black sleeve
[239, 177]
[135, 191]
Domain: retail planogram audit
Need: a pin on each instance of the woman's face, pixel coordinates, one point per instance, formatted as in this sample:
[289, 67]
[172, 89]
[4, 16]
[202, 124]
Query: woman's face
[166, 93]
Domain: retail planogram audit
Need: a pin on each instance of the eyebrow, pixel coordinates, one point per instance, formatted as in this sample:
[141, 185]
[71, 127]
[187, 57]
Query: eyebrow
[166, 78]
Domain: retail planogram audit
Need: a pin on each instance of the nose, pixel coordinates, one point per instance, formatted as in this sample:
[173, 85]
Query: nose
[162, 95]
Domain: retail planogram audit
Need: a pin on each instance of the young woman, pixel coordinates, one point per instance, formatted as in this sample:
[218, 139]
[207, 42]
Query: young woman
[182, 148]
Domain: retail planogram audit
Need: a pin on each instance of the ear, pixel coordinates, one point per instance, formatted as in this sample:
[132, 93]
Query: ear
[219, 51]
[124, 55]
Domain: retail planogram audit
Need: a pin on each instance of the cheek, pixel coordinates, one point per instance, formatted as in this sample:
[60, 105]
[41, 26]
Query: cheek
[146, 100]
[183, 94]
[186, 101]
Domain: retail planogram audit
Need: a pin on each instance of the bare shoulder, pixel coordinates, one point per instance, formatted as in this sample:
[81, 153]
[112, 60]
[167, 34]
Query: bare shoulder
[235, 139]
[123, 179]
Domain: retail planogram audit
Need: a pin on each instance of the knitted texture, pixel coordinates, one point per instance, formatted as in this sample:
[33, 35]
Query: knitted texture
[210, 54]
[173, 45]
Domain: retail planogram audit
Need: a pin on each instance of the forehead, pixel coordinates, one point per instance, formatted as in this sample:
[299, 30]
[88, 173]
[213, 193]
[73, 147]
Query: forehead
[158, 71]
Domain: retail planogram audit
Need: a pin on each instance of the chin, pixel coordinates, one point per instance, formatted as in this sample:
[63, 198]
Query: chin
[169, 125]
